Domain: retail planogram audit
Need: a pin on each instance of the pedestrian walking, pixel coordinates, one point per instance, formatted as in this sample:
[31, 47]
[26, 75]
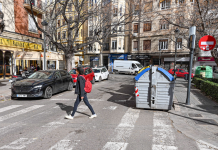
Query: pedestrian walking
[37, 67]
[82, 95]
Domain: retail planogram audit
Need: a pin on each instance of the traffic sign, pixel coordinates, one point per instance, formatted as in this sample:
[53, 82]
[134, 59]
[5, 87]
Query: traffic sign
[207, 43]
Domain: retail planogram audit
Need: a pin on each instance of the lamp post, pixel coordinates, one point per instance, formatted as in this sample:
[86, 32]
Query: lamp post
[44, 23]
[176, 34]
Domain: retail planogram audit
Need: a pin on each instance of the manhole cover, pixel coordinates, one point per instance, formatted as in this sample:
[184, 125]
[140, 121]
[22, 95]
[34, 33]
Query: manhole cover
[194, 115]
[206, 122]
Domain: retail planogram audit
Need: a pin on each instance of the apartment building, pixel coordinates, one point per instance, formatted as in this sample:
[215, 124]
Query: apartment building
[151, 38]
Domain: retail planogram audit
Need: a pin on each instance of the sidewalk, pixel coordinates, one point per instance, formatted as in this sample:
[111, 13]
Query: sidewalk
[198, 121]
[5, 91]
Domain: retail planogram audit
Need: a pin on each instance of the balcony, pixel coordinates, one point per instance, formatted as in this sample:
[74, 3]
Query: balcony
[37, 6]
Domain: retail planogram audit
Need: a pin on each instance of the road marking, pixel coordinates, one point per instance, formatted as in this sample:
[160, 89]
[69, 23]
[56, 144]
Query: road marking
[52, 124]
[205, 146]
[123, 131]
[9, 108]
[59, 95]
[23, 111]
[18, 144]
[58, 99]
[67, 143]
[110, 107]
[163, 136]
[115, 146]
[11, 127]
[130, 98]
[120, 101]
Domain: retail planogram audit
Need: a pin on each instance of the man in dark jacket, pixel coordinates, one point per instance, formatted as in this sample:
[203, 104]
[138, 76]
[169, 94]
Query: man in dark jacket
[82, 95]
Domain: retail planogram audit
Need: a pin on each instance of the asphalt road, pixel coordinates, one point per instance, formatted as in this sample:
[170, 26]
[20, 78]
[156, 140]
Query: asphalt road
[39, 124]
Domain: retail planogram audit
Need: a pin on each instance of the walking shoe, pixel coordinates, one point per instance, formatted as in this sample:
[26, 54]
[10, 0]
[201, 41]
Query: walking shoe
[69, 117]
[93, 116]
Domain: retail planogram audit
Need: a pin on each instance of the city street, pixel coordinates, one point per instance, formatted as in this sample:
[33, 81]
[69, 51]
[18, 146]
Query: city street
[39, 124]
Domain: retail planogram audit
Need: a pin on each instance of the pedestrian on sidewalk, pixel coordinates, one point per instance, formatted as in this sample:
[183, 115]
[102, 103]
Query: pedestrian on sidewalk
[82, 95]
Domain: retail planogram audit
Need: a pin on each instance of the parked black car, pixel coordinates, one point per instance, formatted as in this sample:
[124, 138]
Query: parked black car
[43, 84]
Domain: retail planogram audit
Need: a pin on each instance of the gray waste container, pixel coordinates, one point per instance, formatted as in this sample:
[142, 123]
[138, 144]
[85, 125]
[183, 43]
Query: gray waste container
[155, 88]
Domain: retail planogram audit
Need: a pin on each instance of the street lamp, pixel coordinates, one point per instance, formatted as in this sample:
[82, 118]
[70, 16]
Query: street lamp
[176, 34]
[44, 23]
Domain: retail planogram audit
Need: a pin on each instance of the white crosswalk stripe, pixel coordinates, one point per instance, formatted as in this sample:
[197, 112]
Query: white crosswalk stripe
[18, 144]
[205, 146]
[9, 108]
[17, 113]
[123, 131]
[163, 136]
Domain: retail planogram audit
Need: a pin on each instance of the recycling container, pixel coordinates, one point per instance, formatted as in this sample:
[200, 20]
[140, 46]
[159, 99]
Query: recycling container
[205, 71]
[154, 89]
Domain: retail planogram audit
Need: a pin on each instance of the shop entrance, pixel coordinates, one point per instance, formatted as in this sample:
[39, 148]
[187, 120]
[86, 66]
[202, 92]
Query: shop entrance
[5, 63]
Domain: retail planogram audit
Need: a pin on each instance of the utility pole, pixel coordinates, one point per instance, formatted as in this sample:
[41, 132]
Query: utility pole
[191, 46]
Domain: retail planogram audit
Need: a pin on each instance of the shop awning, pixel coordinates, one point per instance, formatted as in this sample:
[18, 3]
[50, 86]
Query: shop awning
[27, 55]
[37, 56]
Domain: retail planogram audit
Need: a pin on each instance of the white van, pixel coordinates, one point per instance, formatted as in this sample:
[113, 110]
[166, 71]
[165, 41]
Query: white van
[127, 66]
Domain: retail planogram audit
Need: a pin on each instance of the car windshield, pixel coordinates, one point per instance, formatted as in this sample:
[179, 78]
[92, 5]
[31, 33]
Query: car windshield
[73, 71]
[139, 65]
[97, 70]
[41, 75]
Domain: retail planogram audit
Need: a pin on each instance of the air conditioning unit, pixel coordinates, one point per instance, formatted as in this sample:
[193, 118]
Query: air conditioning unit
[134, 34]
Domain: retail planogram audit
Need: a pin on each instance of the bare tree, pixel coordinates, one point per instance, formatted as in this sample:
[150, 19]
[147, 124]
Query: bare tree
[200, 13]
[76, 15]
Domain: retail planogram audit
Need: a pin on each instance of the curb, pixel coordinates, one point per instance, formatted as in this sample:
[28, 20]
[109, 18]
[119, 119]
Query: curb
[175, 104]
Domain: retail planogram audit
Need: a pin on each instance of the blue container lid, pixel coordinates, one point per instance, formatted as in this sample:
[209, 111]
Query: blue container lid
[141, 73]
[166, 73]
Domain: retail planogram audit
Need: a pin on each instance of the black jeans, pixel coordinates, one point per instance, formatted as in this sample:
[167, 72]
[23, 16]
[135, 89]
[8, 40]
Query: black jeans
[78, 100]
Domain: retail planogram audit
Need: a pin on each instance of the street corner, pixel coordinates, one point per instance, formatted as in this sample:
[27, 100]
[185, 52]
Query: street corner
[196, 126]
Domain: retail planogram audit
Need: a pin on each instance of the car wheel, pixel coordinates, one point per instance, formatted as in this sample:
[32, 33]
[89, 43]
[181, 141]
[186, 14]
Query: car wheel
[99, 79]
[107, 77]
[93, 80]
[70, 86]
[48, 93]
[116, 72]
[136, 73]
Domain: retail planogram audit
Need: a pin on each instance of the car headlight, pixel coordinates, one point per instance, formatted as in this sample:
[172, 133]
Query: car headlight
[37, 87]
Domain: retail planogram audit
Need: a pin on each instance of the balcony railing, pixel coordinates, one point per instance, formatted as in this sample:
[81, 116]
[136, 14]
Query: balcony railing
[37, 6]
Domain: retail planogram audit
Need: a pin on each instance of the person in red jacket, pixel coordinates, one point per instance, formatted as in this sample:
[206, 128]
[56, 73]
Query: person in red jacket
[82, 95]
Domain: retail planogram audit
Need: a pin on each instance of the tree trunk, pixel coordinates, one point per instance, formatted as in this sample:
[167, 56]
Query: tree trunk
[70, 61]
[216, 59]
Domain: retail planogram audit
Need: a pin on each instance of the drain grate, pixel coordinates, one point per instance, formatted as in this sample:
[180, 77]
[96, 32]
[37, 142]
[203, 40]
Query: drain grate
[194, 115]
[206, 122]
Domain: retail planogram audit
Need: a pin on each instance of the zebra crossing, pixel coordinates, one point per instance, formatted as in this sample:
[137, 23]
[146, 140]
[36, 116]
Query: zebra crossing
[163, 138]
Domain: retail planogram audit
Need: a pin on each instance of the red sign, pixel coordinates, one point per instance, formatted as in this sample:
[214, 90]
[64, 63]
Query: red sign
[206, 59]
[207, 43]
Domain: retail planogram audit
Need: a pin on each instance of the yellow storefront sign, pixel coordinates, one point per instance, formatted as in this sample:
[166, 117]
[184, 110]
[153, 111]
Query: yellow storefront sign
[19, 44]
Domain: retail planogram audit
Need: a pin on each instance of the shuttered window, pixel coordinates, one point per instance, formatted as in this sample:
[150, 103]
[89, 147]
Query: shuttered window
[135, 28]
[135, 45]
[147, 26]
[147, 45]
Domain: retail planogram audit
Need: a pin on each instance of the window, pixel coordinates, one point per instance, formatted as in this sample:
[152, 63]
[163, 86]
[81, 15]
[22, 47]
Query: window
[120, 29]
[165, 4]
[147, 45]
[63, 73]
[134, 66]
[106, 47]
[70, 7]
[163, 44]
[59, 23]
[148, 7]
[90, 47]
[179, 43]
[164, 24]
[77, 34]
[90, 31]
[136, 10]
[147, 26]
[86, 71]
[135, 45]
[180, 1]
[64, 35]
[57, 75]
[115, 11]
[0, 6]
[59, 35]
[182, 71]
[81, 32]
[114, 44]
[32, 25]
[63, 22]
[121, 10]
[135, 27]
